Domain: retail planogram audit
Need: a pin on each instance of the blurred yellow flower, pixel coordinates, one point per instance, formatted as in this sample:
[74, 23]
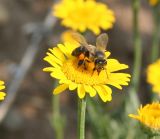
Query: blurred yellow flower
[153, 2]
[2, 94]
[81, 15]
[67, 36]
[153, 76]
[64, 68]
[149, 117]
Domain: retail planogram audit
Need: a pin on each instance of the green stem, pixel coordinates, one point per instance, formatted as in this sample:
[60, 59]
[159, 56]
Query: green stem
[81, 118]
[151, 137]
[133, 98]
[137, 46]
[155, 42]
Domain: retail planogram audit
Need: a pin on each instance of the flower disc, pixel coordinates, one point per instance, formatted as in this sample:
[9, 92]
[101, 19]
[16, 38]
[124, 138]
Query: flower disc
[64, 67]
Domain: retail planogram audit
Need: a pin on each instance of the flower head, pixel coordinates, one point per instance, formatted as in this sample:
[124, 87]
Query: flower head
[153, 76]
[153, 2]
[64, 67]
[2, 94]
[81, 15]
[149, 117]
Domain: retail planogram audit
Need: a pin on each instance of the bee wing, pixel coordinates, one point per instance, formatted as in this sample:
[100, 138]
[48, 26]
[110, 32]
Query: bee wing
[79, 38]
[102, 41]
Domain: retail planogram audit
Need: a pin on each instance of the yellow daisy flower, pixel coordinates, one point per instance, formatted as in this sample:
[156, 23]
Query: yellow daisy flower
[64, 68]
[153, 76]
[2, 94]
[153, 2]
[149, 117]
[81, 15]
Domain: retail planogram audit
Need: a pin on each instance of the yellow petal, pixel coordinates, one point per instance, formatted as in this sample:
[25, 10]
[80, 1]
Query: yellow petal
[2, 87]
[120, 76]
[90, 90]
[64, 50]
[100, 92]
[1, 82]
[56, 51]
[81, 91]
[54, 59]
[2, 95]
[64, 81]
[70, 47]
[96, 30]
[108, 91]
[51, 62]
[113, 65]
[153, 2]
[72, 86]
[49, 69]
[58, 74]
[115, 84]
[60, 89]
[116, 79]
[134, 116]
[107, 54]
[104, 95]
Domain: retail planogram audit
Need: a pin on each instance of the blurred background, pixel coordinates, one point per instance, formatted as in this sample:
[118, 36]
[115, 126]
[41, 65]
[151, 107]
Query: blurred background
[31, 111]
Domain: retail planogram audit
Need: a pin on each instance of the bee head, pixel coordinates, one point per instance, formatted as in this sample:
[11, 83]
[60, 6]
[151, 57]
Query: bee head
[100, 62]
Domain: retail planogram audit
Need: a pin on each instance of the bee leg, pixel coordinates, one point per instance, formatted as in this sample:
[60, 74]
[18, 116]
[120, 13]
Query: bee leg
[80, 62]
[86, 60]
[106, 73]
[93, 70]
[85, 66]
[98, 70]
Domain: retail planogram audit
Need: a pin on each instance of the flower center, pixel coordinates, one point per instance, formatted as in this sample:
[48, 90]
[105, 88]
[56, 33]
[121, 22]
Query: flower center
[80, 75]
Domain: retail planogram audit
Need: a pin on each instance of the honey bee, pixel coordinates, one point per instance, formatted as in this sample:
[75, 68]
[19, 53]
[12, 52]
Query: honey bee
[100, 59]
[87, 53]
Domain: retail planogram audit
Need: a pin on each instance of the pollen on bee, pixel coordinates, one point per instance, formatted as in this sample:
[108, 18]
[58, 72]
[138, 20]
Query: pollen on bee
[90, 66]
[81, 57]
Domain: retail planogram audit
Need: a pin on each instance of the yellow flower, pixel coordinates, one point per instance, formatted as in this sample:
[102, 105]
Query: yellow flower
[149, 117]
[153, 2]
[81, 15]
[2, 94]
[153, 76]
[67, 36]
[64, 68]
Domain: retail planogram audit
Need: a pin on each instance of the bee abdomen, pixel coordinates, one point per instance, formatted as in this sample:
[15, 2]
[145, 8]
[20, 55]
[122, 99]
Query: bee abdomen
[80, 50]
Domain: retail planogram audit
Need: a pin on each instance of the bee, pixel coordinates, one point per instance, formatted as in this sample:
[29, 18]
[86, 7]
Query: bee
[100, 59]
[87, 53]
